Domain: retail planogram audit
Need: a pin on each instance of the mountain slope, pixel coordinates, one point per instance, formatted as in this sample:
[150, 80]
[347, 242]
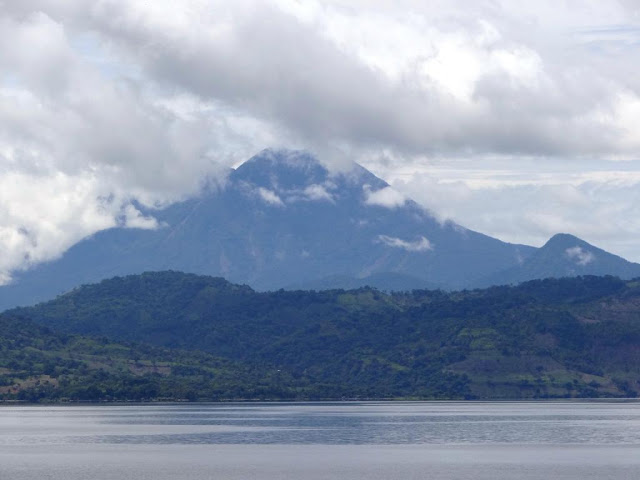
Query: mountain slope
[283, 219]
[38, 364]
[556, 337]
[565, 256]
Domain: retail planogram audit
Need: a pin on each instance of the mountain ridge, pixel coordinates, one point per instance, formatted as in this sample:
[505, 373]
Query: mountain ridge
[545, 338]
[284, 220]
[565, 255]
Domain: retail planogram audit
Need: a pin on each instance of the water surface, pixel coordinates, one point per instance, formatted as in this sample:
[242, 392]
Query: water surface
[378, 440]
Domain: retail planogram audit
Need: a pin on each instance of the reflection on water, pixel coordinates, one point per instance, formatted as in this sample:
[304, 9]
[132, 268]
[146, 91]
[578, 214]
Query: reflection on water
[436, 440]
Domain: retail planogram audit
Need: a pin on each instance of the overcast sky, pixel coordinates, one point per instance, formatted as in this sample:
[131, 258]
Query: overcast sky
[518, 119]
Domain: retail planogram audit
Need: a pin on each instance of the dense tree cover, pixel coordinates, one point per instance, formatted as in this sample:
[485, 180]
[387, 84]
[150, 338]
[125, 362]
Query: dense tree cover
[37, 364]
[545, 338]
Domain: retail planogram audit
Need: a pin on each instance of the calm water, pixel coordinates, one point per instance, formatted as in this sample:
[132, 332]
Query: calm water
[448, 440]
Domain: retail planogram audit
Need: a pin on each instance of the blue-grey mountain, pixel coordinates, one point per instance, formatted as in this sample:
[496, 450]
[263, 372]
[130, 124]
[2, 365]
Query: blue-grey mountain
[283, 220]
[565, 256]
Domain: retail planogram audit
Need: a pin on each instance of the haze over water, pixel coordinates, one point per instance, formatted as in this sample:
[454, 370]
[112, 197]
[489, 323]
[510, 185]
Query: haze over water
[439, 440]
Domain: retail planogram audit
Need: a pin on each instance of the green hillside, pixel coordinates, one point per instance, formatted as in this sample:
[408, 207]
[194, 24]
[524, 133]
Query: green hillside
[574, 337]
[37, 364]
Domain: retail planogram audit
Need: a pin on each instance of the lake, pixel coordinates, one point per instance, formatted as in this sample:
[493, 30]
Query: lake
[313, 441]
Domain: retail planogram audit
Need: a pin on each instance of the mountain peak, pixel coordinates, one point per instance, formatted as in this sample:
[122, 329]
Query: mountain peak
[285, 218]
[295, 170]
[564, 239]
[281, 169]
[575, 253]
[566, 255]
[299, 159]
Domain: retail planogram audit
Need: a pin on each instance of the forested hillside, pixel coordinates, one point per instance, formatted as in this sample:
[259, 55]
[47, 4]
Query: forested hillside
[37, 364]
[545, 338]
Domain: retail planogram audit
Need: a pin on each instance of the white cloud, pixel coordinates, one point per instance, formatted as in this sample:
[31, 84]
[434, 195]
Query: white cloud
[443, 76]
[384, 197]
[40, 217]
[80, 137]
[133, 218]
[581, 257]
[317, 192]
[531, 200]
[270, 197]
[420, 245]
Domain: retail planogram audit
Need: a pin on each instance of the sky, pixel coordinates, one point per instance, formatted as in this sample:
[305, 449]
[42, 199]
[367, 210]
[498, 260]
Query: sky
[517, 119]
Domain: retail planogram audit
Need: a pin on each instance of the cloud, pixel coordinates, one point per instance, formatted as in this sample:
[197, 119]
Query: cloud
[384, 197]
[311, 193]
[453, 78]
[580, 256]
[317, 192]
[80, 138]
[270, 197]
[531, 201]
[133, 218]
[40, 217]
[420, 245]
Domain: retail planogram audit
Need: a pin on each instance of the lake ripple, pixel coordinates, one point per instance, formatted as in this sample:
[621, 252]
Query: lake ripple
[377, 440]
